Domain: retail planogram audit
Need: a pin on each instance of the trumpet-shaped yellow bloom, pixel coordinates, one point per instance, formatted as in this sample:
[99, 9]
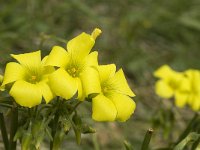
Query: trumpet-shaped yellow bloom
[193, 96]
[114, 102]
[76, 70]
[30, 79]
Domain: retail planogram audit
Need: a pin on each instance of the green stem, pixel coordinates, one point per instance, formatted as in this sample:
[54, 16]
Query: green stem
[4, 132]
[195, 145]
[6, 105]
[95, 142]
[74, 108]
[13, 127]
[147, 139]
[188, 129]
[54, 124]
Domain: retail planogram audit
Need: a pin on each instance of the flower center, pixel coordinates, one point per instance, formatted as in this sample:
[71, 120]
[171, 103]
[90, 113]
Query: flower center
[106, 88]
[173, 84]
[33, 79]
[73, 71]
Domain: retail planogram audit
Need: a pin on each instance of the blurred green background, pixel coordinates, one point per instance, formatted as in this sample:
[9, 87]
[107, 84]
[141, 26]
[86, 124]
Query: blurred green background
[138, 35]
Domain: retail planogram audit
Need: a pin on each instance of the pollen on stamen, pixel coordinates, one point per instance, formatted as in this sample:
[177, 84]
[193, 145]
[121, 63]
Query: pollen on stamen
[73, 70]
[33, 77]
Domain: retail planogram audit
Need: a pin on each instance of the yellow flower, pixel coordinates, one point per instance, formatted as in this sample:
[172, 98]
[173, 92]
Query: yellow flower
[193, 97]
[113, 103]
[30, 78]
[171, 84]
[76, 70]
[169, 81]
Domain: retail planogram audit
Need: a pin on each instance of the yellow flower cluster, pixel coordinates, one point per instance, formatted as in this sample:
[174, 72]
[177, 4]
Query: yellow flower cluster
[65, 72]
[183, 86]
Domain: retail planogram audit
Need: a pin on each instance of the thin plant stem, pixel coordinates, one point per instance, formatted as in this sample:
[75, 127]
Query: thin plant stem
[55, 122]
[188, 128]
[13, 127]
[4, 132]
[147, 139]
[6, 105]
[95, 142]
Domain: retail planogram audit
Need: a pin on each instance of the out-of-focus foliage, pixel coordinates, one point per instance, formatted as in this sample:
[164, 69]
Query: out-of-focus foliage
[138, 35]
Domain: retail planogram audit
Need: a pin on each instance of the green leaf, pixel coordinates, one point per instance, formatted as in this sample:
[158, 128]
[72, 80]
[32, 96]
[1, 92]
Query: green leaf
[85, 129]
[65, 123]
[77, 123]
[127, 145]
[58, 139]
[19, 133]
[147, 139]
[26, 140]
[192, 137]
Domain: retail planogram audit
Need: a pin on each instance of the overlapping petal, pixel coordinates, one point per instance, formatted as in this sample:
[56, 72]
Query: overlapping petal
[195, 104]
[103, 109]
[114, 91]
[26, 94]
[106, 71]
[63, 84]
[58, 57]
[29, 60]
[81, 94]
[181, 98]
[81, 45]
[194, 93]
[165, 72]
[163, 89]
[45, 91]
[91, 59]
[90, 81]
[125, 106]
[13, 72]
[120, 84]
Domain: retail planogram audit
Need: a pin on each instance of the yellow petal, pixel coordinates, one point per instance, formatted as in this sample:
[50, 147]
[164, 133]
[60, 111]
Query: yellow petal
[106, 71]
[103, 109]
[58, 57]
[90, 81]
[26, 94]
[91, 59]
[184, 85]
[194, 78]
[163, 71]
[125, 106]
[163, 89]
[196, 103]
[13, 72]
[81, 95]
[80, 46]
[46, 91]
[181, 99]
[120, 84]
[30, 60]
[62, 84]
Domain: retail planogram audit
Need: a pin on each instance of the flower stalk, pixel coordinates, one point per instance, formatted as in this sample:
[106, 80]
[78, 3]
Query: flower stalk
[13, 127]
[147, 139]
[4, 132]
